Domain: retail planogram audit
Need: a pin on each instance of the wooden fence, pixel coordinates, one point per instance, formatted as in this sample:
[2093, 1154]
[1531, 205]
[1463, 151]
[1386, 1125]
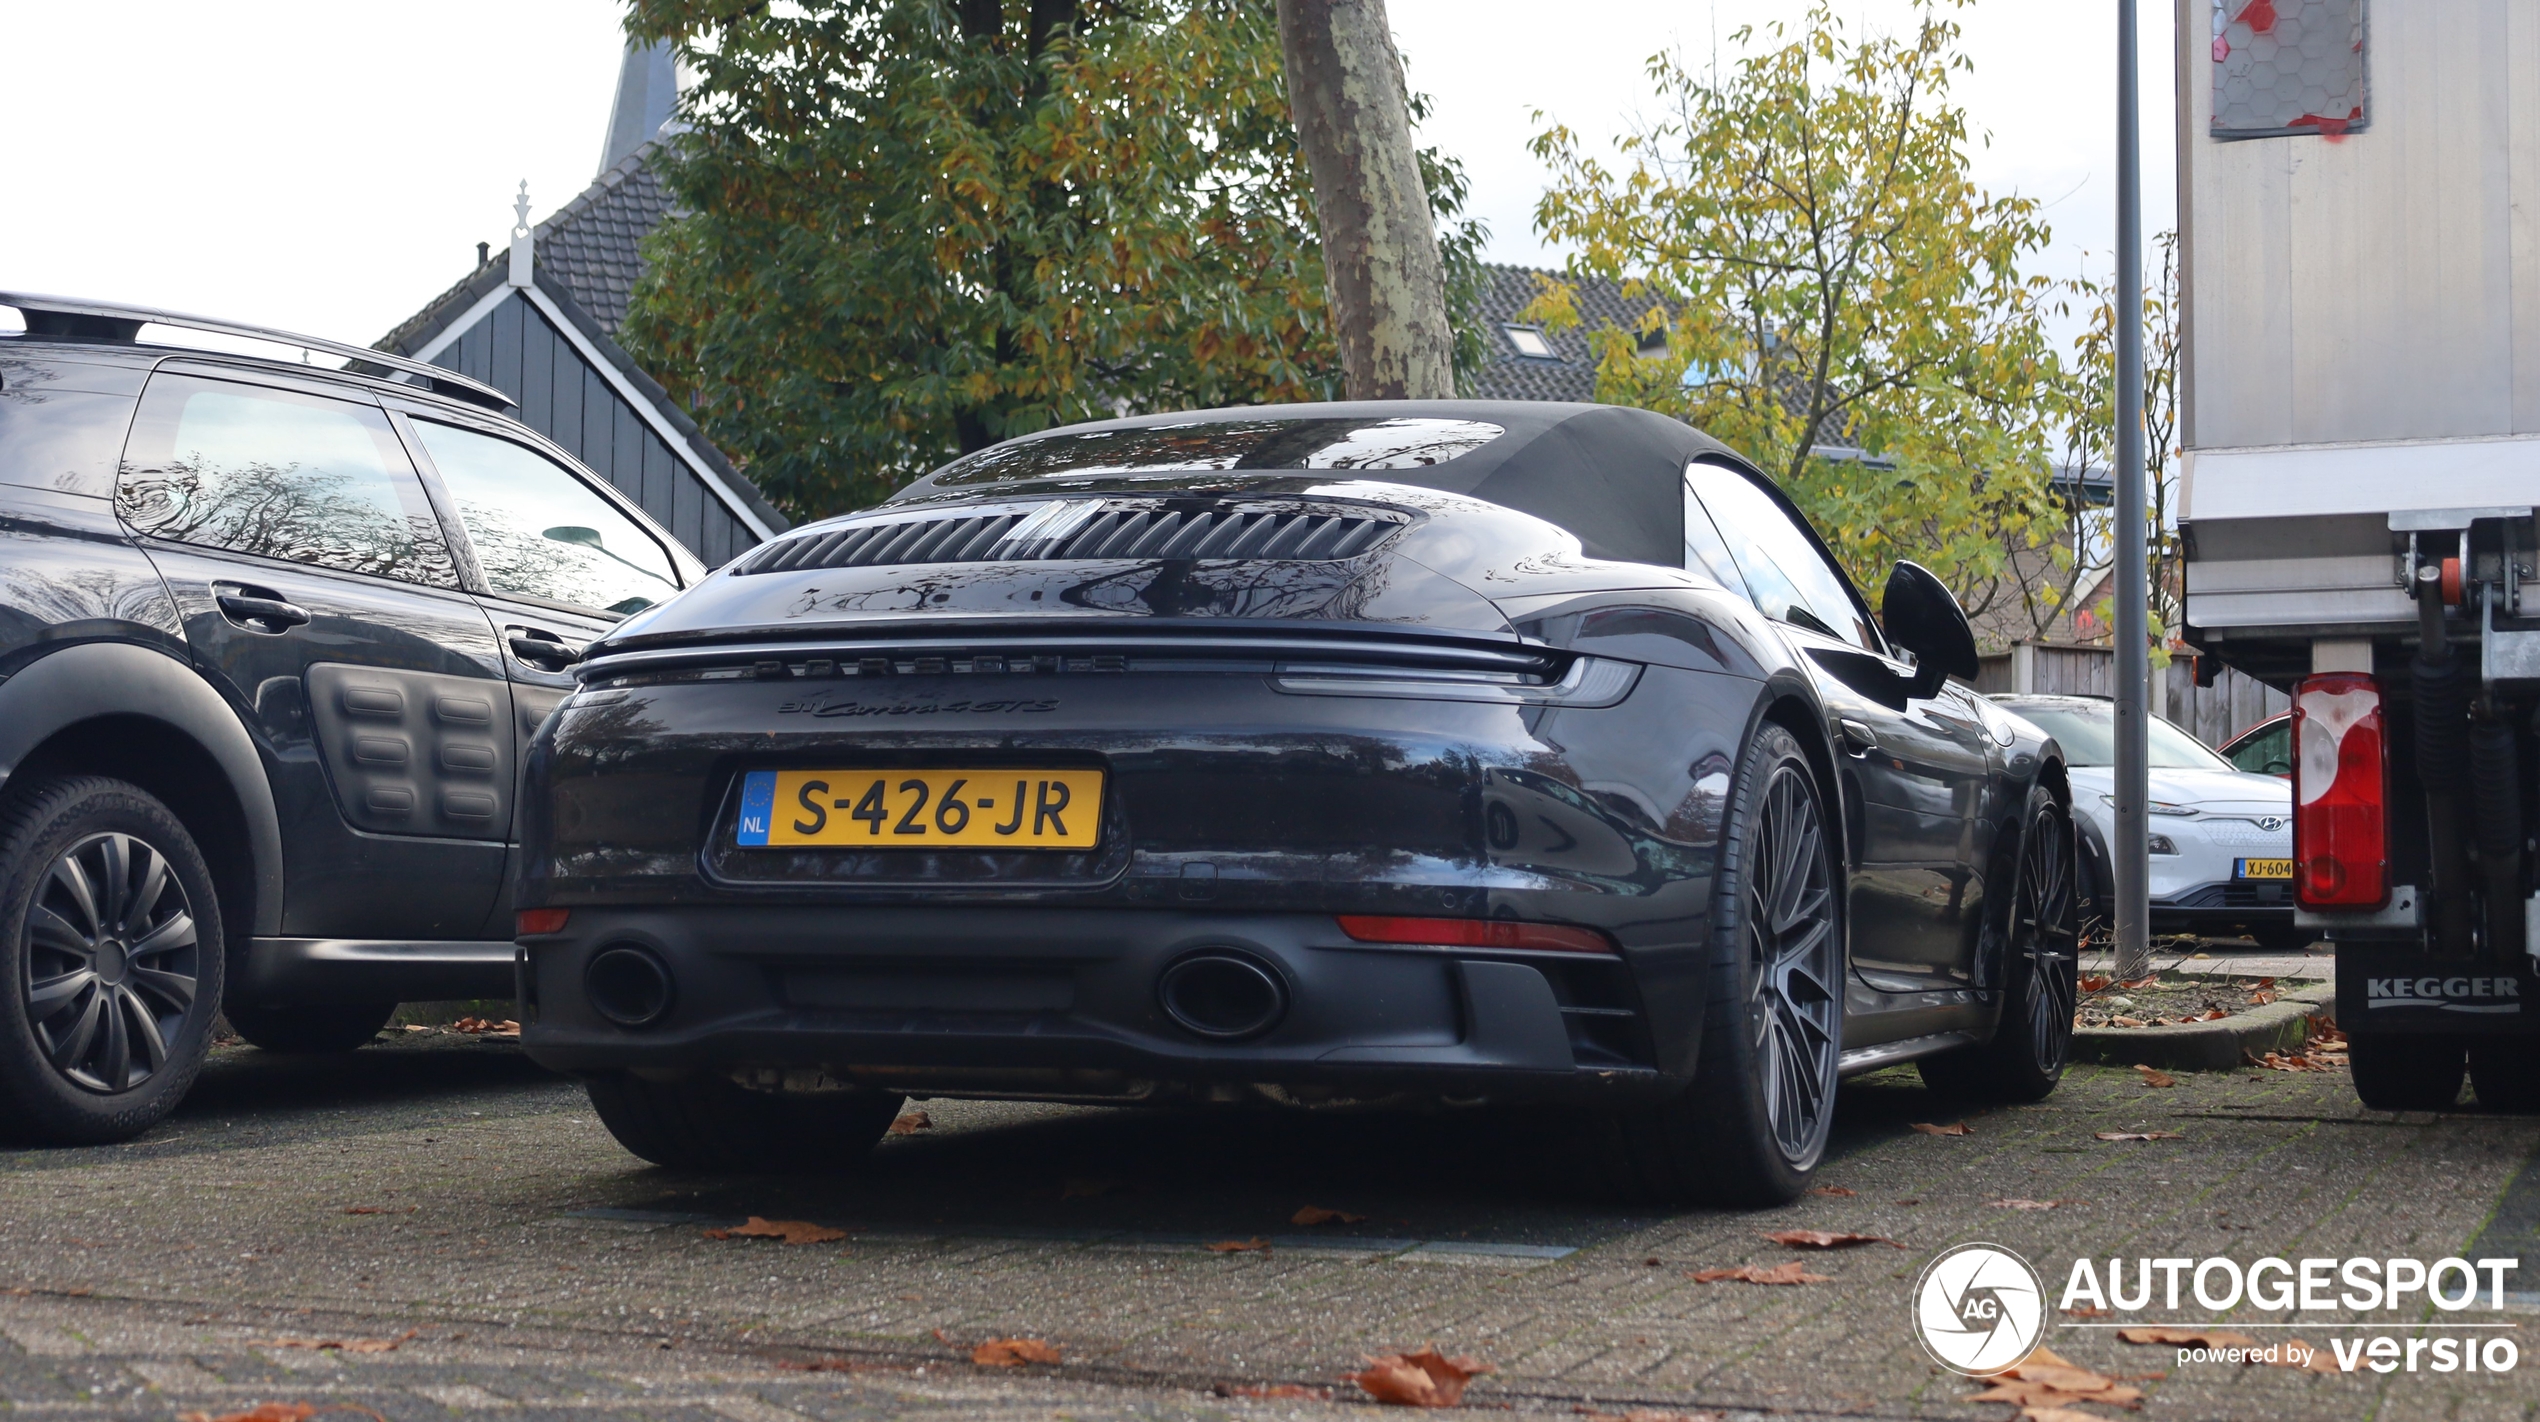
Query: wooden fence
[2213, 713]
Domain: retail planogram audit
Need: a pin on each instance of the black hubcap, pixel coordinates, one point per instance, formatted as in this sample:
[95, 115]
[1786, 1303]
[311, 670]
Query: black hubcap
[111, 962]
[2049, 938]
[1794, 967]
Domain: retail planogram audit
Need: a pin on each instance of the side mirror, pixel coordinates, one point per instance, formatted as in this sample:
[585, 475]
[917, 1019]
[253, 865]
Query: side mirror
[1921, 616]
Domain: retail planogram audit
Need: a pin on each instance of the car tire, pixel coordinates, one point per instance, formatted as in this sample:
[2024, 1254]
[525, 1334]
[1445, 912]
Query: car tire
[2402, 1072]
[2506, 1075]
[1753, 1125]
[2041, 958]
[312, 1028]
[708, 1123]
[110, 960]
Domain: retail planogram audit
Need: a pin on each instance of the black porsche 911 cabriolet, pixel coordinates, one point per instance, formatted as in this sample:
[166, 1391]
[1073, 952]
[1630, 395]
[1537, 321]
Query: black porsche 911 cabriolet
[1416, 751]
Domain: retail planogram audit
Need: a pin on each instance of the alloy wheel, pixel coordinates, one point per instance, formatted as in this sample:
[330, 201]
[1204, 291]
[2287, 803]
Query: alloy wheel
[1794, 966]
[111, 962]
[2050, 942]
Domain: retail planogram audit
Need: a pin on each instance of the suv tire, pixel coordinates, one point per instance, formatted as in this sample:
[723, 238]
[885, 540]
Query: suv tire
[2040, 975]
[314, 1027]
[1741, 1135]
[2400, 1072]
[110, 960]
[708, 1123]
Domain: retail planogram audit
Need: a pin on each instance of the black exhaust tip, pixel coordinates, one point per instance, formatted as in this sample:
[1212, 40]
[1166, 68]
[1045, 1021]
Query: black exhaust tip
[1223, 995]
[628, 985]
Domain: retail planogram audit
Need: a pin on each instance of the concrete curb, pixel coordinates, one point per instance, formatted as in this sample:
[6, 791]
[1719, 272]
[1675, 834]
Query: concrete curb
[2210, 1046]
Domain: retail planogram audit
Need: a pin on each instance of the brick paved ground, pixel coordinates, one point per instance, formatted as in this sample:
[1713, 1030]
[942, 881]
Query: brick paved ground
[542, 1272]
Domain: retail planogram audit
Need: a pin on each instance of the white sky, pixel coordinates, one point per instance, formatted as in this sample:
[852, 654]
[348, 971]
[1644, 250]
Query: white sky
[329, 167]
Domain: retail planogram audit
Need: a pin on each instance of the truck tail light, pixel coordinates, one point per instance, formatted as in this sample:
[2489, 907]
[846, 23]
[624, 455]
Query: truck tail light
[2341, 823]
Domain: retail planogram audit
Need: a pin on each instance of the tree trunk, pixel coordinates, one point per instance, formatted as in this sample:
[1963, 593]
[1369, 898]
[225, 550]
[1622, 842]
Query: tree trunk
[1380, 249]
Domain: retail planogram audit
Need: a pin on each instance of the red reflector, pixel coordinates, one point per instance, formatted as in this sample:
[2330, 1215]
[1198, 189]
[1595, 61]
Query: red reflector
[2341, 822]
[1474, 933]
[529, 921]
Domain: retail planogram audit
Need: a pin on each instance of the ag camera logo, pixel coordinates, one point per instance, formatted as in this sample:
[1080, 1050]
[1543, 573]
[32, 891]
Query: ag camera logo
[1979, 1308]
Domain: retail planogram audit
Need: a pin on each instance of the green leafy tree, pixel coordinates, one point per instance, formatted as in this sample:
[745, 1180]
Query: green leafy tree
[2090, 440]
[1819, 273]
[911, 228]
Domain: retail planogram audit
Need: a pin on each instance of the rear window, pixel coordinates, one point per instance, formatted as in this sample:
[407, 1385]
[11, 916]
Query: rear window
[1404, 443]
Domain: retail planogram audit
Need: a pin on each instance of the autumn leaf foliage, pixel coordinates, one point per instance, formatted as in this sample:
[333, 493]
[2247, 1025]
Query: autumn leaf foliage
[909, 229]
[1813, 268]
[1427, 1378]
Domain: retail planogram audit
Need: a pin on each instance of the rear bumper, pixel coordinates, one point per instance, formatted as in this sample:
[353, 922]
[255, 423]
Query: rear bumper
[2252, 904]
[317, 970]
[1065, 1002]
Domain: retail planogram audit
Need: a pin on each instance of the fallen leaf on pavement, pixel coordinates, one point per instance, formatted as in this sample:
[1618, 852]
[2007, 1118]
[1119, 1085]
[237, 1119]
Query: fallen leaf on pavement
[1793, 1272]
[486, 1027]
[2042, 1383]
[1254, 1245]
[1833, 1190]
[1954, 1128]
[2260, 997]
[2096, 982]
[2145, 981]
[945, 1338]
[1427, 1378]
[2088, 1311]
[1273, 1390]
[1826, 1239]
[2019, 1204]
[1012, 1352]
[2214, 1014]
[2154, 1076]
[2277, 1061]
[790, 1231]
[909, 1123]
[1316, 1214]
[337, 1345]
[2122, 1021]
[2192, 1337]
[2140, 1135]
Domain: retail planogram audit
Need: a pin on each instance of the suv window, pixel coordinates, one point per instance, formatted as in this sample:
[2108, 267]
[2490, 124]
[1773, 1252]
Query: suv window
[280, 475]
[539, 532]
[1785, 575]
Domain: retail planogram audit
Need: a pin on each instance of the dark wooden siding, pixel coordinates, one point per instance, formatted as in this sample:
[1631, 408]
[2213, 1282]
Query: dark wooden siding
[518, 351]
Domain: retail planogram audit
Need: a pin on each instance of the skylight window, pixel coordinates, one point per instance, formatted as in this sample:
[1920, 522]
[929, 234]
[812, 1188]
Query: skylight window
[1530, 343]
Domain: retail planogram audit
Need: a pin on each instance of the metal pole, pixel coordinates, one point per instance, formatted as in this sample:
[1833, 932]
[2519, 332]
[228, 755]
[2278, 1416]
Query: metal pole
[2134, 656]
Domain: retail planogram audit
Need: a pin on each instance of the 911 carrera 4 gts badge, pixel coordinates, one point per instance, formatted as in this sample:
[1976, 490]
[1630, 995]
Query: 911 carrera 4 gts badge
[822, 706]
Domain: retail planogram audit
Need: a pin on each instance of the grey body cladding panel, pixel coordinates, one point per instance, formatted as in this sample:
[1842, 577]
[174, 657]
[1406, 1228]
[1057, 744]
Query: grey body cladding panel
[94, 679]
[290, 970]
[412, 752]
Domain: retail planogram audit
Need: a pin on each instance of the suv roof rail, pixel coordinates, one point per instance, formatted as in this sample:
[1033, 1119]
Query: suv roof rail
[77, 319]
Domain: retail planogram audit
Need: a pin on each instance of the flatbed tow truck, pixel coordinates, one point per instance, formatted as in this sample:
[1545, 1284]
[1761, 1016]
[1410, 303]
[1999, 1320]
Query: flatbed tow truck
[2360, 472]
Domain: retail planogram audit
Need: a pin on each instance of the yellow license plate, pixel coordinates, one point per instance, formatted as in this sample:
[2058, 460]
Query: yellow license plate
[2265, 869]
[922, 809]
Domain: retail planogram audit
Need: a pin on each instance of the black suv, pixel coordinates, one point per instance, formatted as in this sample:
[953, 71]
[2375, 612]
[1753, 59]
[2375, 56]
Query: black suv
[273, 638]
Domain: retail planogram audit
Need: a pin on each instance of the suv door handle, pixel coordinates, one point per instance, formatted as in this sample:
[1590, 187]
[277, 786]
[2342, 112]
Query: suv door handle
[258, 610]
[540, 651]
[1857, 738]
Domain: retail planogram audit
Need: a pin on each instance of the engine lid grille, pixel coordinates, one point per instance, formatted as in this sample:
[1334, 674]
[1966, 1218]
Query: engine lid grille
[1070, 529]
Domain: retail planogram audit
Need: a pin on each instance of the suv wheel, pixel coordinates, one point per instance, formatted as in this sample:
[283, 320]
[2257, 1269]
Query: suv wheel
[1754, 1123]
[2041, 970]
[327, 1027]
[2506, 1074]
[110, 950]
[708, 1123]
[2399, 1072]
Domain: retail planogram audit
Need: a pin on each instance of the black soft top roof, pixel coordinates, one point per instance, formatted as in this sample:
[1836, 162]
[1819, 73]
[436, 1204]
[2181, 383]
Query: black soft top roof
[1610, 474]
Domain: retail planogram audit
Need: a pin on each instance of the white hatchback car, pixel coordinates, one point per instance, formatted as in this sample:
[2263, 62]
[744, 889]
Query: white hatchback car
[2222, 838]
